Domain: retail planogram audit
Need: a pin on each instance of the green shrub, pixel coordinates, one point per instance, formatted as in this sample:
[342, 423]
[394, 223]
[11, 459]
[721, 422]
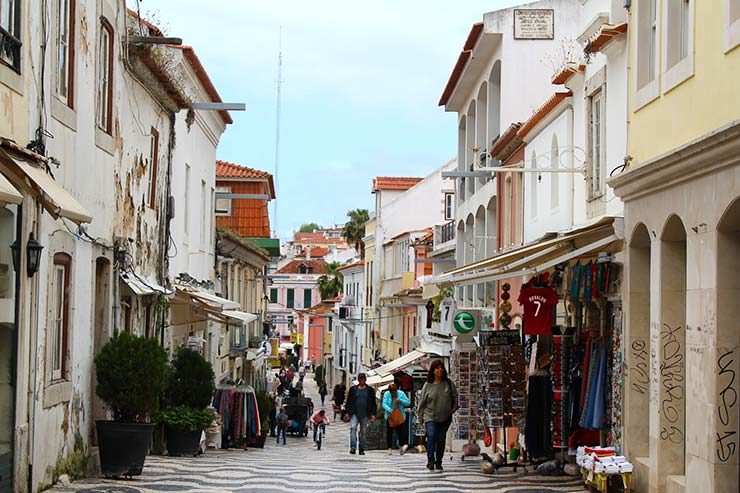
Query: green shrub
[184, 418]
[191, 381]
[132, 374]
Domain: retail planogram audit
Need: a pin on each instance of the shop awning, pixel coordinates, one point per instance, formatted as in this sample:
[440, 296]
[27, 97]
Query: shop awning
[376, 380]
[604, 235]
[24, 171]
[8, 193]
[399, 363]
[143, 287]
[214, 301]
[241, 316]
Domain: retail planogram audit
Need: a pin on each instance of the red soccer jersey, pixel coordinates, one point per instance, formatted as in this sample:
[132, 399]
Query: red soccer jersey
[537, 303]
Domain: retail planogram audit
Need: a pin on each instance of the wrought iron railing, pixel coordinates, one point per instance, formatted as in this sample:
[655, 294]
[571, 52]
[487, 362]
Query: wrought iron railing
[10, 50]
[444, 233]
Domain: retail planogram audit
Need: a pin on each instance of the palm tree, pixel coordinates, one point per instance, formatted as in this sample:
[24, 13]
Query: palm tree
[330, 284]
[354, 229]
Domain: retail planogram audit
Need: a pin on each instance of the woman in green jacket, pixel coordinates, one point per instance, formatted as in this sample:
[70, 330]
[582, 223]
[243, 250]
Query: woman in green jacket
[437, 404]
[394, 398]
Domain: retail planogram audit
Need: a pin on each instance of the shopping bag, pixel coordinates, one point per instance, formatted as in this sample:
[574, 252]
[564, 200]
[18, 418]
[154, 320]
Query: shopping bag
[396, 418]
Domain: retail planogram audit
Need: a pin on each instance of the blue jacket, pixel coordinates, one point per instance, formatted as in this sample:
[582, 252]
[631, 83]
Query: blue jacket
[388, 403]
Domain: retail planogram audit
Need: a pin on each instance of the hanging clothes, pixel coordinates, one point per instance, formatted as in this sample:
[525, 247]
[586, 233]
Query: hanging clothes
[241, 419]
[537, 433]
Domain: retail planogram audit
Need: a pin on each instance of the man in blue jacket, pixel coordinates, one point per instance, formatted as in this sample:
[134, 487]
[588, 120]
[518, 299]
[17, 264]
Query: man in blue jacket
[394, 398]
[361, 406]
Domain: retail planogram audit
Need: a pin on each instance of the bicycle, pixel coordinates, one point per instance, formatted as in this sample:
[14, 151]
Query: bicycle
[320, 435]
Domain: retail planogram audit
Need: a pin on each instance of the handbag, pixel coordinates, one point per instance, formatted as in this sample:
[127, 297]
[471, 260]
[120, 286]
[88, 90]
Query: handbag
[396, 418]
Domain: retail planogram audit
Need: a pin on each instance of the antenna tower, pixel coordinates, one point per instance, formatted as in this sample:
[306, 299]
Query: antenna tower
[277, 125]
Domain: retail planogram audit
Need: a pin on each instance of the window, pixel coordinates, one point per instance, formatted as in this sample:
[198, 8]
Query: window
[65, 51]
[60, 315]
[596, 148]
[223, 206]
[302, 269]
[732, 24]
[533, 176]
[646, 51]
[186, 208]
[306, 298]
[153, 168]
[149, 320]
[449, 206]
[678, 41]
[290, 303]
[105, 79]
[10, 33]
[554, 177]
[203, 214]
[273, 295]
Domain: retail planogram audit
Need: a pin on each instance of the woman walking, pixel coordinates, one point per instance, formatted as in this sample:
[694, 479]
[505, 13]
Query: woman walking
[395, 399]
[437, 404]
[322, 392]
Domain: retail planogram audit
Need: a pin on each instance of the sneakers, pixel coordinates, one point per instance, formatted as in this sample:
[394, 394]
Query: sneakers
[362, 452]
[438, 466]
[430, 466]
[390, 452]
[352, 451]
[403, 450]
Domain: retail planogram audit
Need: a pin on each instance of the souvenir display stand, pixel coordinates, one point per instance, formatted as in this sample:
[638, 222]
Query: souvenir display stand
[463, 372]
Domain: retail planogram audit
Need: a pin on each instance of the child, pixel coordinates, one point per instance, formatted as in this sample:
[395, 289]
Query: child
[283, 424]
[318, 418]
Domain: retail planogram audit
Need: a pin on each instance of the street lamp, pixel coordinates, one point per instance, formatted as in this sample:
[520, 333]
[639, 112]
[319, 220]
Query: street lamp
[33, 255]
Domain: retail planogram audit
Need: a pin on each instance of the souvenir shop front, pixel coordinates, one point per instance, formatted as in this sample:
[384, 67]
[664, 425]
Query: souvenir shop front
[548, 377]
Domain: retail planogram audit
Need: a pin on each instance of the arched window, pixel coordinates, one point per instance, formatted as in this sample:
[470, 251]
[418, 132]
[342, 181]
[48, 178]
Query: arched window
[533, 187]
[554, 177]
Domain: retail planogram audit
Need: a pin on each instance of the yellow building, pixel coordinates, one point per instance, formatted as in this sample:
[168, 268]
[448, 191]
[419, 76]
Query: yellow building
[682, 216]
[372, 330]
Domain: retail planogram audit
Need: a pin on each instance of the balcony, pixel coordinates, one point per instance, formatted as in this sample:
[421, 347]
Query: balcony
[10, 50]
[444, 233]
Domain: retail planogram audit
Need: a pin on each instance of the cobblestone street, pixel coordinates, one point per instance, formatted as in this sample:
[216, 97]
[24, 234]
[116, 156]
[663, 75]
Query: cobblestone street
[300, 467]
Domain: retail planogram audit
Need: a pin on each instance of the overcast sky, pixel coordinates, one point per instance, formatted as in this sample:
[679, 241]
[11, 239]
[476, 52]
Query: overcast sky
[361, 86]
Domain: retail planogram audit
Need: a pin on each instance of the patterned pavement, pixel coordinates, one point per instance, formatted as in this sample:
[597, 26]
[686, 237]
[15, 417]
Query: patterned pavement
[300, 467]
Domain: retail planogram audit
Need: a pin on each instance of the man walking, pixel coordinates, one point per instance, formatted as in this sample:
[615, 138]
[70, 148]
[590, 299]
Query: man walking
[360, 405]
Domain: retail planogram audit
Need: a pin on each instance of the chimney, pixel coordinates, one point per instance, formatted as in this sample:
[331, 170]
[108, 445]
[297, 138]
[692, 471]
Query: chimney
[308, 252]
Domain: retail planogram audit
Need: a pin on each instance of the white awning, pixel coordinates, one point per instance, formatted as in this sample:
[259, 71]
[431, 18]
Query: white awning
[604, 235]
[143, 287]
[376, 380]
[55, 199]
[211, 299]
[399, 363]
[241, 316]
[8, 193]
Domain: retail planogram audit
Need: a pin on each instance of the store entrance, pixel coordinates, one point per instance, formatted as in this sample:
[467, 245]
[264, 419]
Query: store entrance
[8, 346]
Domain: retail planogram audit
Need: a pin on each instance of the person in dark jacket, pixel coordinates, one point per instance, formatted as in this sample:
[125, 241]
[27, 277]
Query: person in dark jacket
[361, 406]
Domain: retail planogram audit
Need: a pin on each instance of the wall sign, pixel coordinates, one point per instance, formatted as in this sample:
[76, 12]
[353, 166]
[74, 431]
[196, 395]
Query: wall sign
[534, 24]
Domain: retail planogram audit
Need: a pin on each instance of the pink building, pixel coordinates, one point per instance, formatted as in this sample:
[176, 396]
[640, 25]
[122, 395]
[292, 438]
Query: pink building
[294, 289]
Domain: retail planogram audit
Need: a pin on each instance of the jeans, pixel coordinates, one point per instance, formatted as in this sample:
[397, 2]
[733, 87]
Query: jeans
[281, 431]
[316, 430]
[436, 440]
[400, 432]
[353, 432]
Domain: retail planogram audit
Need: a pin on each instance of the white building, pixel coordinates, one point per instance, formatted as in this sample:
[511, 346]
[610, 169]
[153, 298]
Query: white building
[350, 325]
[498, 79]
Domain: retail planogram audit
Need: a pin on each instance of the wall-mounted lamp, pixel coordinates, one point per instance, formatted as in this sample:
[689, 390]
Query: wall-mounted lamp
[33, 255]
[16, 256]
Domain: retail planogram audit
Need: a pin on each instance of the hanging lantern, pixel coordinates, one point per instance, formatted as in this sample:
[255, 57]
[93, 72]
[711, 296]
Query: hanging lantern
[16, 255]
[33, 255]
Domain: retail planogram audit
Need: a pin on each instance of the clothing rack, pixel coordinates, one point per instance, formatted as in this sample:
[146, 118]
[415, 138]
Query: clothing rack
[237, 405]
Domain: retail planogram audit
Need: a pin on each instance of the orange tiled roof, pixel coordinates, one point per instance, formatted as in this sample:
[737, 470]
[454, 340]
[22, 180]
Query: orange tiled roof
[605, 35]
[225, 169]
[315, 266]
[319, 252]
[567, 72]
[500, 144]
[316, 238]
[541, 112]
[462, 60]
[394, 182]
[200, 71]
[354, 264]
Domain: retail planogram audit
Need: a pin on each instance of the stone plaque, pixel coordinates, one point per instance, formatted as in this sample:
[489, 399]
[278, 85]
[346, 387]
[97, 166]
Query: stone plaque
[534, 24]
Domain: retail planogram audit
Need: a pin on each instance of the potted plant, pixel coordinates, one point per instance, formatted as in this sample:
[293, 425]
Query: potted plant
[189, 392]
[131, 373]
[263, 404]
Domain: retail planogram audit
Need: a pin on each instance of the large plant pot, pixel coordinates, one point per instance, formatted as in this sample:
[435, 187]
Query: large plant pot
[123, 447]
[182, 443]
[262, 439]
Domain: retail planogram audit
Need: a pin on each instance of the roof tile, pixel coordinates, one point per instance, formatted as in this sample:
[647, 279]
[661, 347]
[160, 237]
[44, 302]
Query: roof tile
[394, 182]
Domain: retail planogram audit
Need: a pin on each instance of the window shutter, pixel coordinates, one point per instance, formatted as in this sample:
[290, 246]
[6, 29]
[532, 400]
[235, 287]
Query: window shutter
[291, 298]
[306, 298]
[273, 295]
